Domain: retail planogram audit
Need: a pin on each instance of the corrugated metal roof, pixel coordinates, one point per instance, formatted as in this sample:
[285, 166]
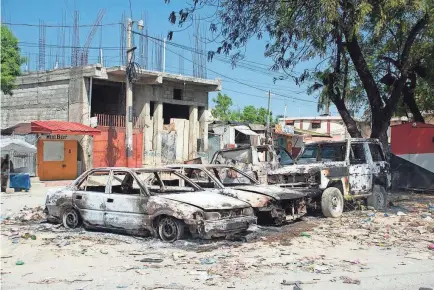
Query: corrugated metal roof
[63, 127]
[245, 130]
[257, 127]
[21, 128]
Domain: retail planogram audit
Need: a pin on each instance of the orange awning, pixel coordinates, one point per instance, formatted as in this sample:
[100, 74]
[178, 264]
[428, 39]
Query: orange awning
[62, 128]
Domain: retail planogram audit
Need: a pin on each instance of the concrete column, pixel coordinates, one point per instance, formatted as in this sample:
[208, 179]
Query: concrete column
[192, 134]
[203, 128]
[145, 117]
[158, 129]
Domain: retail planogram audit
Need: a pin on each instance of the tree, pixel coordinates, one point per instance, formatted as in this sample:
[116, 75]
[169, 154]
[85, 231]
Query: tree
[221, 110]
[11, 60]
[340, 32]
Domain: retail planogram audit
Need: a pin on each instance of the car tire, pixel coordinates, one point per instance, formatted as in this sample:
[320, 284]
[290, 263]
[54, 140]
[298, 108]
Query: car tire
[71, 218]
[378, 198]
[170, 229]
[332, 202]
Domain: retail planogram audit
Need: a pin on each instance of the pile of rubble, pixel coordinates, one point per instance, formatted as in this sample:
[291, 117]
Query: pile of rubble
[25, 215]
[406, 223]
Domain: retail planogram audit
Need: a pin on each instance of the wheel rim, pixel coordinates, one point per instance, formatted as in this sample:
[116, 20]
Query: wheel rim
[169, 229]
[380, 199]
[71, 219]
[336, 204]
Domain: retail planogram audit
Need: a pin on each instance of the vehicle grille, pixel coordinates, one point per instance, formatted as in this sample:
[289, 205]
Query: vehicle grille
[296, 178]
[230, 213]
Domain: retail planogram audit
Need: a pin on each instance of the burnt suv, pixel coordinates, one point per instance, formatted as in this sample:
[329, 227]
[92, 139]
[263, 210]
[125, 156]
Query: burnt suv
[332, 172]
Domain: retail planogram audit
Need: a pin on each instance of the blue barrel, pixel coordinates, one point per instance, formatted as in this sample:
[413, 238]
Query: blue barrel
[19, 181]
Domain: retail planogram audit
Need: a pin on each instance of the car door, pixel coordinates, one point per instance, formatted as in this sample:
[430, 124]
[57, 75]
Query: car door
[124, 203]
[380, 167]
[360, 174]
[89, 195]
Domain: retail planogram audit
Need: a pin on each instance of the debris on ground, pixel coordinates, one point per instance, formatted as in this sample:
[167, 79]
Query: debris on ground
[151, 260]
[25, 215]
[348, 280]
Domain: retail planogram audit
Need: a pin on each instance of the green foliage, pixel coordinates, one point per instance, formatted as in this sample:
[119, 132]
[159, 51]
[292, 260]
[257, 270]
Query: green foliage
[250, 114]
[222, 106]
[351, 39]
[11, 60]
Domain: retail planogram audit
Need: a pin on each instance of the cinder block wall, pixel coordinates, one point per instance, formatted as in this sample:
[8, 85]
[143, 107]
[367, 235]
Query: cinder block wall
[38, 101]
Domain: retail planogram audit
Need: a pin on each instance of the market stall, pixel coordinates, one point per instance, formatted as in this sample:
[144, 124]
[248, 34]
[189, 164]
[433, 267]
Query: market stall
[17, 180]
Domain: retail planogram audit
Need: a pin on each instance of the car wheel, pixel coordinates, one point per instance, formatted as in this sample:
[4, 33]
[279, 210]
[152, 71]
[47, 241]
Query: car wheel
[378, 198]
[71, 218]
[332, 202]
[170, 229]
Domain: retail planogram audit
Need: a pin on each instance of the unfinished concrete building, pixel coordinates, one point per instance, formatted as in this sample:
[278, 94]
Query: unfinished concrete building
[169, 112]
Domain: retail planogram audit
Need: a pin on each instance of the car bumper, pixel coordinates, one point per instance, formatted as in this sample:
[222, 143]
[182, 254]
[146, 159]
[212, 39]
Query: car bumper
[225, 227]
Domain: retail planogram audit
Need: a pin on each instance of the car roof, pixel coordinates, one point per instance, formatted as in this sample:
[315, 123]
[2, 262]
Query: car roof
[198, 166]
[355, 140]
[151, 169]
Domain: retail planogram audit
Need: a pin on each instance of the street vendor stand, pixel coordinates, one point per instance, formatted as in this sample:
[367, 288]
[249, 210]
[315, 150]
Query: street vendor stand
[18, 181]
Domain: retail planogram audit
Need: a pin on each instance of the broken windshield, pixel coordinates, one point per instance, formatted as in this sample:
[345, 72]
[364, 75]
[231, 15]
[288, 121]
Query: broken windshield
[166, 182]
[230, 176]
[322, 153]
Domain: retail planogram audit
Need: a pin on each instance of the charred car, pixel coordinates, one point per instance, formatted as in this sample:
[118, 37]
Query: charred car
[336, 171]
[254, 160]
[118, 199]
[270, 203]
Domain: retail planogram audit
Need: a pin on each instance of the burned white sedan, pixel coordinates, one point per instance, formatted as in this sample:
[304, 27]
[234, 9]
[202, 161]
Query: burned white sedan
[271, 204]
[118, 199]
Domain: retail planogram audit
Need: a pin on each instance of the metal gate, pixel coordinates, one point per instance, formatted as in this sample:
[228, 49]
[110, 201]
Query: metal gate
[109, 147]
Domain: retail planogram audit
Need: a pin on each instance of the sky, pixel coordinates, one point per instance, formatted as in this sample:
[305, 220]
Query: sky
[244, 86]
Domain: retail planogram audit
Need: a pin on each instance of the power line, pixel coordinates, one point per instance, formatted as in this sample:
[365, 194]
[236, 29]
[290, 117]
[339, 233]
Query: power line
[242, 83]
[240, 63]
[57, 25]
[252, 95]
[32, 44]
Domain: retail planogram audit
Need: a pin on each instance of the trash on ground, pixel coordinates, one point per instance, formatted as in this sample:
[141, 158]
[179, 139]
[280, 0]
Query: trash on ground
[304, 234]
[348, 280]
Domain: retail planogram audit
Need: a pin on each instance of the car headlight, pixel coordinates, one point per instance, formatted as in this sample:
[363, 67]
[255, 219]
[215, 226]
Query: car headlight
[198, 215]
[248, 211]
[212, 215]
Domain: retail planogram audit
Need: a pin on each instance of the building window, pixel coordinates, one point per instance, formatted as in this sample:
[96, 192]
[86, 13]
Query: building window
[177, 94]
[289, 122]
[316, 125]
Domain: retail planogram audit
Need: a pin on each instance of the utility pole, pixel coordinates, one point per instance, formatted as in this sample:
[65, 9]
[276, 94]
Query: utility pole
[284, 117]
[129, 100]
[164, 54]
[268, 118]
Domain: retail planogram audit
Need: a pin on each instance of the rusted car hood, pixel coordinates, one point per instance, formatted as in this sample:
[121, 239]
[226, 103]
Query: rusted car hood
[276, 192]
[299, 169]
[207, 200]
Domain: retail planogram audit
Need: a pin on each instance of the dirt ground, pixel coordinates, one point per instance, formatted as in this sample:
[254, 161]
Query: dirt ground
[363, 249]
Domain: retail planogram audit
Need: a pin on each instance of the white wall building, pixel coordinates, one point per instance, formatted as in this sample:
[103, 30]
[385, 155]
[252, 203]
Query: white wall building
[330, 125]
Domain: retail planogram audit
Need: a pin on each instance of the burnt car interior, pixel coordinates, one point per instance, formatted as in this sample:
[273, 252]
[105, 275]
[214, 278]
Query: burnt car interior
[96, 182]
[357, 154]
[322, 153]
[124, 183]
[199, 177]
[167, 182]
[230, 177]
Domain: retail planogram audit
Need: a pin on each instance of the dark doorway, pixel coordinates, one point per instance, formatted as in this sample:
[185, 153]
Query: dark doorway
[108, 98]
[175, 111]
